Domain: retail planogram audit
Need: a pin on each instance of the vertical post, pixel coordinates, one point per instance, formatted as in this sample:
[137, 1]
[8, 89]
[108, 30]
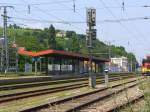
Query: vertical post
[92, 77]
[2, 57]
[135, 67]
[83, 68]
[106, 78]
[5, 39]
[35, 67]
[40, 65]
[78, 67]
[6, 57]
[109, 53]
[95, 67]
[60, 62]
[17, 60]
[1, 61]
[46, 61]
[91, 35]
[74, 66]
[130, 65]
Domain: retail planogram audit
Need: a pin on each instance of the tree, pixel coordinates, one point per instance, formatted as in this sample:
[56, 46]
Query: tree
[69, 34]
[15, 26]
[52, 37]
[74, 47]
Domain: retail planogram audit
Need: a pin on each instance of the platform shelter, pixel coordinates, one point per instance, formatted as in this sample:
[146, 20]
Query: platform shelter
[58, 62]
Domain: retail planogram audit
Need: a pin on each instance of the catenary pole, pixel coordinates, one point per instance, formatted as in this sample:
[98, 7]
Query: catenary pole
[6, 55]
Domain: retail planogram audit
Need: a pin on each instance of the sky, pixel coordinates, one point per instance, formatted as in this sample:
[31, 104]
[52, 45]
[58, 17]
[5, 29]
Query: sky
[133, 35]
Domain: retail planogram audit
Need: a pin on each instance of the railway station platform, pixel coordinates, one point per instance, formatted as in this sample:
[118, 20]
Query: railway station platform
[29, 79]
[23, 79]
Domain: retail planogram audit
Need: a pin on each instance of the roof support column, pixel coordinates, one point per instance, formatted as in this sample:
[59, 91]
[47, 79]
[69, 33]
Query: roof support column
[46, 67]
[73, 66]
[95, 67]
[60, 63]
[78, 66]
[82, 66]
[53, 65]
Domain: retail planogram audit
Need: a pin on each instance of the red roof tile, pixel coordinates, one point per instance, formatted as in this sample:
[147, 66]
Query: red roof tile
[58, 52]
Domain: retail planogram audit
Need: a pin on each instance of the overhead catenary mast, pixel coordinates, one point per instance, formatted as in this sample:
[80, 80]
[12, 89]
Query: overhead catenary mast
[5, 58]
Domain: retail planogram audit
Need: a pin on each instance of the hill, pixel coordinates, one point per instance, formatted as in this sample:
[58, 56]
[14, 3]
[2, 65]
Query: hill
[38, 39]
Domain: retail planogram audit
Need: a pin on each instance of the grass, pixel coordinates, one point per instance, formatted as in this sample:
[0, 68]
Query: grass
[144, 104]
[145, 87]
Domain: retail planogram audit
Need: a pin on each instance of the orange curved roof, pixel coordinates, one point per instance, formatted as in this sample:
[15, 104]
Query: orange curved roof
[27, 53]
[60, 53]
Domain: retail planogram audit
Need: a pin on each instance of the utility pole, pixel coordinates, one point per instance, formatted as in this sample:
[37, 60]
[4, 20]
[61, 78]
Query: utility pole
[131, 65]
[135, 66]
[109, 53]
[2, 54]
[6, 57]
[108, 43]
[90, 36]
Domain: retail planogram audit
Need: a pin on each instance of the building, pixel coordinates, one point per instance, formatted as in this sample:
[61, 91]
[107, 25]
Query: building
[119, 64]
[61, 34]
[58, 62]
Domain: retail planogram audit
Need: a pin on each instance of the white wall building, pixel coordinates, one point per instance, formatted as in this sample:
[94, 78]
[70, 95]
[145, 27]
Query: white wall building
[122, 63]
[61, 34]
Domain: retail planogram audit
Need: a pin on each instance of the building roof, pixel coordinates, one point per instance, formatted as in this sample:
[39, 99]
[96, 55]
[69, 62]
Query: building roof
[61, 53]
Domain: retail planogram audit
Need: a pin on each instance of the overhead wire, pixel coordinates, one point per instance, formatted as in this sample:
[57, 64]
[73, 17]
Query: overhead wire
[69, 1]
[135, 28]
[52, 15]
[61, 21]
[123, 12]
[122, 25]
[42, 3]
[75, 11]
[66, 2]
[136, 38]
[80, 22]
[113, 15]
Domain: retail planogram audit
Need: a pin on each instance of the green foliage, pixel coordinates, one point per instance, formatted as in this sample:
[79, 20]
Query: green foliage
[69, 34]
[74, 43]
[118, 51]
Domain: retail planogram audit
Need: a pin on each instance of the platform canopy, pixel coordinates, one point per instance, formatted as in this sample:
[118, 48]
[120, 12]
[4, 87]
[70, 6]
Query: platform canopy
[60, 53]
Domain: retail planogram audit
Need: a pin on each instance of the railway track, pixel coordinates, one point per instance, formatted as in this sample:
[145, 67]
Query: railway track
[115, 102]
[131, 101]
[35, 93]
[76, 102]
[35, 84]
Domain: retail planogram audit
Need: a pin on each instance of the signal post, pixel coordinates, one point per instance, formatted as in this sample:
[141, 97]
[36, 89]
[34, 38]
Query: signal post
[90, 36]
